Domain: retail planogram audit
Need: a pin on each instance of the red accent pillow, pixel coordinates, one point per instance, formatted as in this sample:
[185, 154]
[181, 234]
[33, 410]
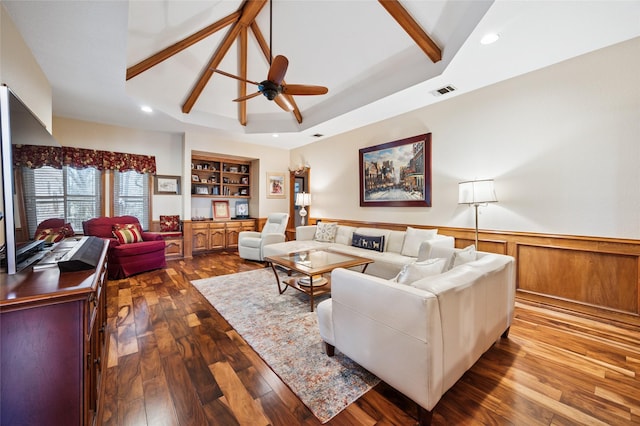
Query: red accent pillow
[127, 233]
[51, 235]
[68, 230]
[169, 223]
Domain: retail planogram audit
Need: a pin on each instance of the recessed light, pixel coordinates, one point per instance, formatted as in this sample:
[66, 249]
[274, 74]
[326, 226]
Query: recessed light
[490, 38]
[146, 109]
[275, 135]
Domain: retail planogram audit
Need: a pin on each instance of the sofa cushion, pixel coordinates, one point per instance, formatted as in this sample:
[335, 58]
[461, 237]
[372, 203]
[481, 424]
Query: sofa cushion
[137, 249]
[169, 223]
[326, 232]
[460, 257]
[375, 232]
[344, 234]
[368, 242]
[51, 235]
[127, 233]
[418, 270]
[395, 241]
[414, 237]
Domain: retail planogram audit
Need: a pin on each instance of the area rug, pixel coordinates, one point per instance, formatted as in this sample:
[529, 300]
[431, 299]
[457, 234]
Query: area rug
[284, 332]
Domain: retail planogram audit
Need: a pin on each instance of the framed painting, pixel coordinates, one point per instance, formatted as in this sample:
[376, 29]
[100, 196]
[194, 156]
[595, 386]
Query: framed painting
[275, 185]
[168, 185]
[220, 209]
[396, 174]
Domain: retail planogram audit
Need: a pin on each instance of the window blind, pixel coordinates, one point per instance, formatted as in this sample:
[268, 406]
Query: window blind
[131, 196]
[71, 194]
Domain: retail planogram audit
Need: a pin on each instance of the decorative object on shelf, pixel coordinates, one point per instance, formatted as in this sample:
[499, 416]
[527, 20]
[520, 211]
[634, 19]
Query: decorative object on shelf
[195, 178]
[220, 209]
[476, 192]
[302, 200]
[275, 185]
[396, 174]
[244, 180]
[300, 170]
[242, 209]
[202, 190]
[244, 169]
[203, 180]
[168, 185]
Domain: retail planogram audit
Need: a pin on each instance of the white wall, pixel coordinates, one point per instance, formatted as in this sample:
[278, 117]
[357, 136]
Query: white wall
[270, 160]
[166, 147]
[21, 73]
[563, 144]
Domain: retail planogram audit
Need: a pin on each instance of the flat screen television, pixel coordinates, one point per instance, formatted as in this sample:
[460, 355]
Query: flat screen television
[18, 125]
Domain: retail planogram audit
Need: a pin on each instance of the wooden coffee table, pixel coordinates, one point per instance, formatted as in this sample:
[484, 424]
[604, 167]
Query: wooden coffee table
[312, 265]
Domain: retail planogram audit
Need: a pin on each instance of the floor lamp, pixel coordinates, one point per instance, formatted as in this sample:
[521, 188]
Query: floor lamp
[476, 192]
[303, 199]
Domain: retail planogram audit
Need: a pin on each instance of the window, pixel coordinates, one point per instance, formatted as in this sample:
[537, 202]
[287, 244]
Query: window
[131, 196]
[72, 194]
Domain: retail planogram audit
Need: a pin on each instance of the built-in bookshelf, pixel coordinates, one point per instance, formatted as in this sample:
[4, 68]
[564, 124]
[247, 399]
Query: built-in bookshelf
[220, 177]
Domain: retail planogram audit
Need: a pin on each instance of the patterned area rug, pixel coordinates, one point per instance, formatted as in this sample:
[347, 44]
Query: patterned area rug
[282, 330]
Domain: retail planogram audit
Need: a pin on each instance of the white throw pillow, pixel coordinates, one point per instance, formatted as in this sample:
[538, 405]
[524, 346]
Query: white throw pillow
[418, 270]
[467, 254]
[326, 232]
[413, 238]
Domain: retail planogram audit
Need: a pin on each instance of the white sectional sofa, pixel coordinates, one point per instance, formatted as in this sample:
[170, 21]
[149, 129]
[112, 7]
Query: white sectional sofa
[399, 248]
[421, 337]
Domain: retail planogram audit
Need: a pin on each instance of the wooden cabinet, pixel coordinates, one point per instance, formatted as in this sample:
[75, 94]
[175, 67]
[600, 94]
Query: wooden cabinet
[173, 247]
[220, 177]
[202, 236]
[53, 345]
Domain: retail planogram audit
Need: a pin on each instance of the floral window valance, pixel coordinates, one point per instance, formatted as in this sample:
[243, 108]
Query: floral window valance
[36, 156]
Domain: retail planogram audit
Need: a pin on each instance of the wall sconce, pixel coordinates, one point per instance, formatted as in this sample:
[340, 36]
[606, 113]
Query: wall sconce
[302, 200]
[476, 192]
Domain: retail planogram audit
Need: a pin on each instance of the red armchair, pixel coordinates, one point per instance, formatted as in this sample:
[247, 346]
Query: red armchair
[126, 259]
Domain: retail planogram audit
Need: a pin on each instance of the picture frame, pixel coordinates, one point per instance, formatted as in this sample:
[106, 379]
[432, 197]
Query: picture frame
[166, 185]
[244, 180]
[202, 190]
[242, 209]
[195, 178]
[276, 187]
[220, 209]
[396, 174]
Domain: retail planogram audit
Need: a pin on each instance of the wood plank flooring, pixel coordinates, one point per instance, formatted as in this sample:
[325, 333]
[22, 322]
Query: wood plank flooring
[173, 360]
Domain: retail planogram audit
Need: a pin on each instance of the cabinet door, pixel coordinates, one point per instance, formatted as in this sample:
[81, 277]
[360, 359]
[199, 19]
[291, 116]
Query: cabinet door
[217, 236]
[200, 238]
[233, 229]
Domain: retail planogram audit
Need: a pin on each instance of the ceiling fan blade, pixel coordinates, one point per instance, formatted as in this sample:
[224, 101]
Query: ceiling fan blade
[303, 89]
[283, 103]
[234, 76]
[244, 98]
[278, 69]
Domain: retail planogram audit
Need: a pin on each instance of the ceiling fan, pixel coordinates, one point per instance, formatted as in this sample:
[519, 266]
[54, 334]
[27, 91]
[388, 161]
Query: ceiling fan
[273, 88]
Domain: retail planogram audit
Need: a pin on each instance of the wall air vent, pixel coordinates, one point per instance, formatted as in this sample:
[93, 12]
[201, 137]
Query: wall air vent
[443, 90]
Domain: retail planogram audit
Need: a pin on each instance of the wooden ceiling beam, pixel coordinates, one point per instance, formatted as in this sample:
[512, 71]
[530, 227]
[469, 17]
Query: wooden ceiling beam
[267, 54]
[242, 68]
[422, 39]
[179, 46]
[250, 10]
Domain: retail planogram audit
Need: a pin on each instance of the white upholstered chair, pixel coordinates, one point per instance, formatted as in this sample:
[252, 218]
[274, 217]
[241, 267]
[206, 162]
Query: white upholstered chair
[250, 243]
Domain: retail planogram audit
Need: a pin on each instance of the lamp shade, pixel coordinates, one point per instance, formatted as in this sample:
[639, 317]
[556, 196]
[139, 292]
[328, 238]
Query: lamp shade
[303, 199]
[476, 192]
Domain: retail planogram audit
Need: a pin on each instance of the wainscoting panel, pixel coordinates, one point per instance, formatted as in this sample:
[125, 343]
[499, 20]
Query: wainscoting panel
[591, 275]
[607, 280]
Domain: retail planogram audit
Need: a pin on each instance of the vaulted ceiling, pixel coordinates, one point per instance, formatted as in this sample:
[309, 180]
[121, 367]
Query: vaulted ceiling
[371, 65]
[361, 50]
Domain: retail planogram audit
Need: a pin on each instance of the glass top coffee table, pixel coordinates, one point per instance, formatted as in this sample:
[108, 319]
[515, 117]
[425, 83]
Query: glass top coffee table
[312, 264]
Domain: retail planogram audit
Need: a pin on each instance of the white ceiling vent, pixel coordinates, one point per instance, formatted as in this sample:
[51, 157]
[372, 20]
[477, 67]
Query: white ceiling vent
[443, 90]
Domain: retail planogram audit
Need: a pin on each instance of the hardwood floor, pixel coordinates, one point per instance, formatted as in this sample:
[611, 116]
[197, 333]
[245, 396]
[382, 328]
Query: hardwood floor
[173, 360]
